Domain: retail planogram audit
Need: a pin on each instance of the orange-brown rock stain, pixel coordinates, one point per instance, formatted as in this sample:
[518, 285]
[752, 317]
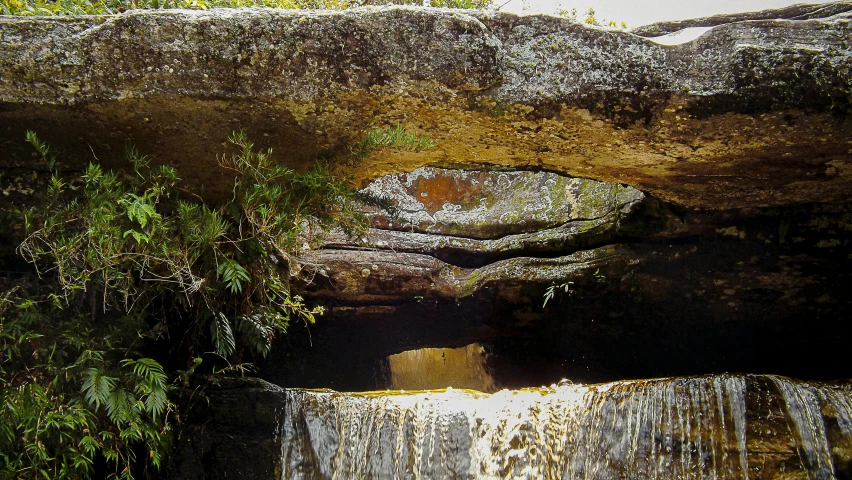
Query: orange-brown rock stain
[718, 162]
[436, 191]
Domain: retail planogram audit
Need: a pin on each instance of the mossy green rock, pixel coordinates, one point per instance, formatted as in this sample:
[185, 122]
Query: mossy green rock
[474, 217]
[493, 204]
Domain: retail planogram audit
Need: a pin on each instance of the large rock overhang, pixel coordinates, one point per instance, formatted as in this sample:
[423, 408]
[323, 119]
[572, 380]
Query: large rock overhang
[752, 114]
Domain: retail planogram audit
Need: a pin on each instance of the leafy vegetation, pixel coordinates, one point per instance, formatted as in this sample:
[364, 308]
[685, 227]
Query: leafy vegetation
[590, 18]
[101, 7]
[568, 288]
[69, 401]
[395, 138]
[139, 284]
[553, 289]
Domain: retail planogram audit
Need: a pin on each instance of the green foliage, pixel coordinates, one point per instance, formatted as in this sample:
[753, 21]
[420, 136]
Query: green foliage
[395, 138]
[553, 289]
[125, 260]
[591, 18]
[106, 7]
[137, 242]
[66, 406]
[568, 287]
[233, 274]
[222, 335]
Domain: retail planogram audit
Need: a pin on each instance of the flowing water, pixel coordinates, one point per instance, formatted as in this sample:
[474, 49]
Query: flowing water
[683, 428]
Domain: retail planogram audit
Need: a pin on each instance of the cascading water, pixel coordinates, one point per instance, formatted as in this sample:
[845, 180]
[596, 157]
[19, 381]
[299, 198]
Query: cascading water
[702, 427]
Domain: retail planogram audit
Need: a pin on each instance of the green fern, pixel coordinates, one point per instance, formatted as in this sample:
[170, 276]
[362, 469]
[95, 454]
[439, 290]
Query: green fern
[258, 332]
[156, 264]
[233, 274]
[150, 384]
[97, 387]
[122, 408]
[139, 209]
[222, 335]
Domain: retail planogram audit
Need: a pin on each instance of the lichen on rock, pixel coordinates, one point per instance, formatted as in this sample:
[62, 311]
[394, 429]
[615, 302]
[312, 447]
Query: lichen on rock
[737, 118]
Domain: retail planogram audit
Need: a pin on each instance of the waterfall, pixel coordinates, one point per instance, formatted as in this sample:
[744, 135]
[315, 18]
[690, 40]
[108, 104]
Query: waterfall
[728, 426]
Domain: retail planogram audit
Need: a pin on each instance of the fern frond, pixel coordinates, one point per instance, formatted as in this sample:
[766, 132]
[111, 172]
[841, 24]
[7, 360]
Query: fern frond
[233, 274]
[258, 332]
[97, 387]
[139, 209]
[223, 336]
[121, 407]
[150, 384]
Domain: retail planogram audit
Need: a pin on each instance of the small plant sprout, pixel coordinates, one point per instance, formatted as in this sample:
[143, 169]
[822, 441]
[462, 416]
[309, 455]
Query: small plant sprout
[551, 291]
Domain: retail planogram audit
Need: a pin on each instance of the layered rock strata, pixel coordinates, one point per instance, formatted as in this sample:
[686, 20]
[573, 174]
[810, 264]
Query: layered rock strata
[453, 232]
[750, 114]
[640, 288]
[800, 11]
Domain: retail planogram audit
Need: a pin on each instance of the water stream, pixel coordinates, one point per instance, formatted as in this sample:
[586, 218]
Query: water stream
[685, 428]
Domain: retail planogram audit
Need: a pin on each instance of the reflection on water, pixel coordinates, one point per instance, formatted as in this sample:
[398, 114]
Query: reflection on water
[431, 368]
[704, 427]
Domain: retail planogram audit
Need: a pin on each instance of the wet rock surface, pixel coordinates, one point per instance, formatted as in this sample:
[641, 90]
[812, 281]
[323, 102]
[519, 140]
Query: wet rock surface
[690, 206]
[231, 430]
[727, 426]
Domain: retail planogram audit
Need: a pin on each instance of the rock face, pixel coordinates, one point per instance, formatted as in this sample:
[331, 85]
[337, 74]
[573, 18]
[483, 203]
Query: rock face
[715, 427]
[641, 289]
[454, 232]
[471, 218]
[750, 114]
[487, 205]
[799, 11]
[232, 432]
[597, 207]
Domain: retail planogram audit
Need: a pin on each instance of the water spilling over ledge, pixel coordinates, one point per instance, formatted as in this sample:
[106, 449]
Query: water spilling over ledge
[709, 230]
[724, 426]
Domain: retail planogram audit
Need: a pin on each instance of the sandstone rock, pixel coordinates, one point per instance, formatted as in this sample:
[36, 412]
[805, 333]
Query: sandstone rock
[490, 205]
[468, 252]
[753, 291]
[800, 11]
[231, 430]
[384, 276]
[471, 218]
[750, 114]
[739, 141]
